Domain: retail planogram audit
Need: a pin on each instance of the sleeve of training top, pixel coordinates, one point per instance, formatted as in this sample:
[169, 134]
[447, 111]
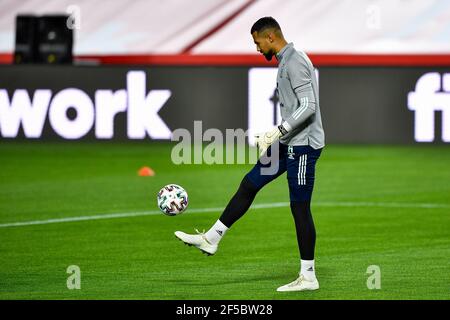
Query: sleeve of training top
[301, 83]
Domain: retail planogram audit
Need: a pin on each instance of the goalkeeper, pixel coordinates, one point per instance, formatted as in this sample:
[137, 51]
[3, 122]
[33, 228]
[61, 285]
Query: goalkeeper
[298, 142]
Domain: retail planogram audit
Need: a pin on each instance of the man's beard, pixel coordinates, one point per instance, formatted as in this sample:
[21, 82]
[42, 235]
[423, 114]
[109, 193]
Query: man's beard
[268, 55]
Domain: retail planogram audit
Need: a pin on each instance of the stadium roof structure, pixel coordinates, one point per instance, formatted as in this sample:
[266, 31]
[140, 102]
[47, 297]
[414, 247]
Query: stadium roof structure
[222, 27]
[352, 26]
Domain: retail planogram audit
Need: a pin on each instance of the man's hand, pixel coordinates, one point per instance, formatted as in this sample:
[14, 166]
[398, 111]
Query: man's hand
[264, 140]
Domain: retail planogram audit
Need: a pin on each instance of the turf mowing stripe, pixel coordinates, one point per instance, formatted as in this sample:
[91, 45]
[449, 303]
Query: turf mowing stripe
[256, 206]
[383, 204]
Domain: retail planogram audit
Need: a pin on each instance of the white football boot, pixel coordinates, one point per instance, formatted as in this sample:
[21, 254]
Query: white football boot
[300, 284]
[198, 240]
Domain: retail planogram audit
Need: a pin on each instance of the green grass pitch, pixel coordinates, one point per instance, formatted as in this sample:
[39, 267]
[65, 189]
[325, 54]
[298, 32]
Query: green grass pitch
[387, 206]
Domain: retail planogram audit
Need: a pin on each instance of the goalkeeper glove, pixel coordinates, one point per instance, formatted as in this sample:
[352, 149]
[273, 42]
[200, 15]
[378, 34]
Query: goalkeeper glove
[264, 140]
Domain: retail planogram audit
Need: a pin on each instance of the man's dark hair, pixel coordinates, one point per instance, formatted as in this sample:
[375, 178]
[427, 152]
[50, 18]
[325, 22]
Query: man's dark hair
[265, 23]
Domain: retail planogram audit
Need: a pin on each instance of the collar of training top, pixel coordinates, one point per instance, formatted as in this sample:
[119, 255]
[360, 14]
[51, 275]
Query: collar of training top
[280, 54]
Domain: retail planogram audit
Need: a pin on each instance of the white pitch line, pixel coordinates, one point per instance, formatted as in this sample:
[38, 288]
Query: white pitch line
[255, 207]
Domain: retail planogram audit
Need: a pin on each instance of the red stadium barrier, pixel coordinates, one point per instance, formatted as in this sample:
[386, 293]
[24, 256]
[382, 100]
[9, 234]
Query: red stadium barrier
[6, 58]
[319, 60]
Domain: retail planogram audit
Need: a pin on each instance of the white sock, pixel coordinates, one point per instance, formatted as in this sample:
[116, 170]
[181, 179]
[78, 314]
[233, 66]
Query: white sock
[217, 231]
[307, 269]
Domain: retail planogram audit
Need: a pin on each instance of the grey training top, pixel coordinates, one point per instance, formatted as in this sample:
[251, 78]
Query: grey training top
[299, 99]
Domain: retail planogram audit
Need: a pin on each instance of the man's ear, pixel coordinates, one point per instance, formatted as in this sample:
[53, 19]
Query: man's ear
[271, 36]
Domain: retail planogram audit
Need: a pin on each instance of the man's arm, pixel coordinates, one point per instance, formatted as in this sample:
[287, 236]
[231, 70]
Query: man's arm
[301, 83]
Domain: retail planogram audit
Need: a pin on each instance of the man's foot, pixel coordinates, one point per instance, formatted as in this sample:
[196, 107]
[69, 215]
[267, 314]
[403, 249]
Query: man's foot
[300, 284]
[197, 240]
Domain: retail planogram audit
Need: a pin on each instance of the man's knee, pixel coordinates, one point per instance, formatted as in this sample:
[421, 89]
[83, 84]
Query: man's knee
[298, 192]
[300, 206]
[248, 186]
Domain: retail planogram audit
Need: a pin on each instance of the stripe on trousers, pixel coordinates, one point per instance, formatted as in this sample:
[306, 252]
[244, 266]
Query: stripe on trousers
[302, 170]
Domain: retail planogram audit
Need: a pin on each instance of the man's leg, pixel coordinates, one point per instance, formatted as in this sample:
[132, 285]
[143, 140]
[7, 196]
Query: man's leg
[306, 236]
[301, 175]
[253, 181]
